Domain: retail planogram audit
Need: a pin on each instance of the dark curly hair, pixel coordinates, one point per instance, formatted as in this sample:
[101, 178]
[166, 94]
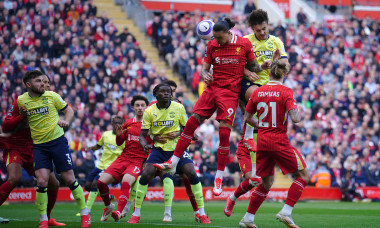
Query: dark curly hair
[157, 87]
[257, 17]
[139, 98]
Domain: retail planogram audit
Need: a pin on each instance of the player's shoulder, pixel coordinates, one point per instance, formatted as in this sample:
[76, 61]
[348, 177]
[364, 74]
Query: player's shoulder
[107, 133]
[250, 37]
[23, 96]
[275, 39]
[176, 104]
[212, 43]
[152, 103]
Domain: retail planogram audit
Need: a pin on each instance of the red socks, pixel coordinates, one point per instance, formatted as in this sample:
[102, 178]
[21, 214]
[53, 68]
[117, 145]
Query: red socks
[257, 198]
[190, 194]
[5, 189]
[52, 198]
[186, 136]
[243, 188]
[224, 147]
[295, 191]
[104, 192]
[123, 199]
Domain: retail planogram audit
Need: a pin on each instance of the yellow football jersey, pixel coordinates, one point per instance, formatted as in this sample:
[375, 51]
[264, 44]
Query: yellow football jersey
[42, 115]
[110, 149]
[264, 50]
[165, 121]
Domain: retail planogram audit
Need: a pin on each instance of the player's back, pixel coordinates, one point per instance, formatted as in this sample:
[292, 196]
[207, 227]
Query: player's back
[228, 61]
[110, 149]
[273, 101]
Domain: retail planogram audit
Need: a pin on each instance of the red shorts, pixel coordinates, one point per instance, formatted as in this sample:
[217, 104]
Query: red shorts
[22, 156]
[221, 99]
[244, 158]
[289, 161]
[121, 166]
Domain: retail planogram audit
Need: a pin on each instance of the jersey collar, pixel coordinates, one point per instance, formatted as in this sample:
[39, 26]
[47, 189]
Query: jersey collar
[261, 40]
[233, 39]
[163, 108]
[274, 83]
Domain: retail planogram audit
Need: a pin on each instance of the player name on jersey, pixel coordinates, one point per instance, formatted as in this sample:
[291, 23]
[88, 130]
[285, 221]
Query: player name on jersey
[42, 111]
[269, 94]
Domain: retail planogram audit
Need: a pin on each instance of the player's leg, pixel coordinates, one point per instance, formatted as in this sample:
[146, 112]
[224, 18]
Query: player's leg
[142, 185]
[248, 138]
[132, 196]
[104, 191]
[14, 170]
[291, 161]
[52, 192]
[168, 189]
[266, 164]
[42, 176]
[191, 196]
[93, 193]
[63, 164]
[187, 167]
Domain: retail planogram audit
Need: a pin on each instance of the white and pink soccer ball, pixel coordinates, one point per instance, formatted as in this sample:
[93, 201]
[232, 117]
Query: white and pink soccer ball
[204, 29]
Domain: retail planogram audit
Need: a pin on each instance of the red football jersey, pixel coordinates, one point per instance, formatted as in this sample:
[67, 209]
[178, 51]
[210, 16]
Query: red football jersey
[272, 102]
[133, 149]
[12, 120]
[228, 61]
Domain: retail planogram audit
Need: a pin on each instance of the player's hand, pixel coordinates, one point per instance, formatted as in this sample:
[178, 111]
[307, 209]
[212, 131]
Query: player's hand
[207, 77]
[160, 139]
[276, 55]
[252, 76]
[147, 148]
[23, 111]
[119, 130]
[5, 135]
[172, 135]
[195, 137]
[63, 123]
[266, 65]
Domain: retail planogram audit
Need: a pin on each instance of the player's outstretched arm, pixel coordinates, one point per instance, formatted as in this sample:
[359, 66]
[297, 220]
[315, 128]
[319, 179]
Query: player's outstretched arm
[248, 118]
[295, 115]
[143, 142]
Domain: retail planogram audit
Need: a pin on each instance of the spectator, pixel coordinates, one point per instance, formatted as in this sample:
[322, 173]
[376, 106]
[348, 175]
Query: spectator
[301, 17]
[373, 174]
[249, 7]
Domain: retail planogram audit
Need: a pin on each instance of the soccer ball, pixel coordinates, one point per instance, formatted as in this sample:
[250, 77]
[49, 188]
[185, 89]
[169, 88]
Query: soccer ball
[204, 29]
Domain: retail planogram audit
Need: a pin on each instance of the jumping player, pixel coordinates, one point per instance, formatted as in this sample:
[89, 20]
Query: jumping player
[272, 103]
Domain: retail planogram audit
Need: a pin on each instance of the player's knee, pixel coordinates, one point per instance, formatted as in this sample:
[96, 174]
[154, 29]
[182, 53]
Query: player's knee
[14, 179]
[53, 184]
[42, 182]
[198, 117]
[88, 186]
[224, 124]
[190, 173]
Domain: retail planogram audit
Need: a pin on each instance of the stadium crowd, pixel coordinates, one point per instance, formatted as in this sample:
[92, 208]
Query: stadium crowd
[97, 69]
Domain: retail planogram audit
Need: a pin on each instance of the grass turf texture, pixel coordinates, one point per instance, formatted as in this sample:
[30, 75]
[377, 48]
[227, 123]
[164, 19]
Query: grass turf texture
[305, 214]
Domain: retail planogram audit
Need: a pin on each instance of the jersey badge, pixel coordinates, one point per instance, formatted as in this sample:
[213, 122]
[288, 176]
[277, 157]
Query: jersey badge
[238, 50]
[45, 100]
[172, 114]
[269, 44]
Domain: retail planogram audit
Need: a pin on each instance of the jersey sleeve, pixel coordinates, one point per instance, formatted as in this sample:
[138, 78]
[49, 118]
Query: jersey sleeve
[249, 51]
[101, 141]
[183, 116]
[13, 118]
[280, 45]
[207, 58]
[251, 106]
[59, 103]
[147, 121]
[290, 103]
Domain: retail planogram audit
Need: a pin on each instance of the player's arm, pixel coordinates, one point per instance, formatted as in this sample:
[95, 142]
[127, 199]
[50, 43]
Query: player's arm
[143, 142]
[93, 148]
[69, 114]
[295, 115]
[250, 119]
[206, 74]
[13, 119]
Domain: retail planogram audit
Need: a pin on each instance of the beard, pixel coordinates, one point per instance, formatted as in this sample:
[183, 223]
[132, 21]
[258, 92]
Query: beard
[36, 90]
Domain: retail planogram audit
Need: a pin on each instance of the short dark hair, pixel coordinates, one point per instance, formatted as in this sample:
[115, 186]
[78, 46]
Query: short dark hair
[117, 119]
[157, 87]
[139, 98]
[171, 83]
[257, 17]
[225, 25]
[29, 75]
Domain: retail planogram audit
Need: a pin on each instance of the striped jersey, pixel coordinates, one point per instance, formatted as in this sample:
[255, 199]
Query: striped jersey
[228, 61]
[42, 115]
[110, 149]
[263, 50]
[272, 102]
[164, 121]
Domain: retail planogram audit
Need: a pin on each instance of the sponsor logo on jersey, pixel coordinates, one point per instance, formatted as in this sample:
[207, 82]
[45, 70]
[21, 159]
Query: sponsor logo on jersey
[166, 123]
[111, 147]
[267, 54]
[133, 137]
[41, 111]
[269, 94]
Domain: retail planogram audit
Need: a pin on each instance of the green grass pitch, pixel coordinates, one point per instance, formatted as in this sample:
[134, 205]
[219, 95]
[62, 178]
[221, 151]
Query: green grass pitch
[305, 214]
